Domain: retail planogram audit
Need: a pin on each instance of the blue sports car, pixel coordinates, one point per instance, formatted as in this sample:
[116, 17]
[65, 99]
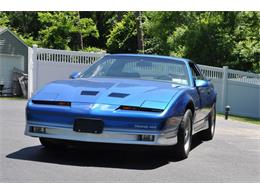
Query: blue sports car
[126, 99]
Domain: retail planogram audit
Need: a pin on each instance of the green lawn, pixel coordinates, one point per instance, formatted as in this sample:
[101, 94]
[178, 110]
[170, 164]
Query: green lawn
[242, 118]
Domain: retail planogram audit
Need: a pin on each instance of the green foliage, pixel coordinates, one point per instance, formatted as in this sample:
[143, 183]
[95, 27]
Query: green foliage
[28, 39]
[93, 49]
[4, 20]
[159, 26]
[204, 40]
[122, 38]
[62, 30]
[24, 23]
[212, 38]
[177, 43]
[104, 22]
[246, 51]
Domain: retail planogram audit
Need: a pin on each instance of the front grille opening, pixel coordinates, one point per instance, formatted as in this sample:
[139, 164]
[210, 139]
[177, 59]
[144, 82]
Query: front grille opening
[55, 103]
[89, 93]
[136, 108]
[118, 95]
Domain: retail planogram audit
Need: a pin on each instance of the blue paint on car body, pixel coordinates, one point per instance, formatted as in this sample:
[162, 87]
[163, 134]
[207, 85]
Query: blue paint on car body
[148, 103]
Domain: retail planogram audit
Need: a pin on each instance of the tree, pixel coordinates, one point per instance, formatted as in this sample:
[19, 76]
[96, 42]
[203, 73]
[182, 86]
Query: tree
[20, 23]
[4, 20]
[24, 23]
[104, 21]
[246, 50]
[65, 30]
[122, 38]
[212, 38]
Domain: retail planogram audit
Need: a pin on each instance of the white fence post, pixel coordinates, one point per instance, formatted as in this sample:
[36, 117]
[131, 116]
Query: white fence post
[30, 64]
[224, 87]
[34, 69]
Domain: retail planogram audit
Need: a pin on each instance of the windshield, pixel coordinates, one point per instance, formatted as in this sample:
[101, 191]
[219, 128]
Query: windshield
[136, 67]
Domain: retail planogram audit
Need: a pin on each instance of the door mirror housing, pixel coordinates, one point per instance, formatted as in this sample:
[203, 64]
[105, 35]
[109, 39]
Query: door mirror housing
[201, 83]
[74, 75]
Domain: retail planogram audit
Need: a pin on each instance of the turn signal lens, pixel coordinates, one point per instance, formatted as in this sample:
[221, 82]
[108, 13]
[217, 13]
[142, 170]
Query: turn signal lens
[172, 123]
[128, 108]
[63, 103]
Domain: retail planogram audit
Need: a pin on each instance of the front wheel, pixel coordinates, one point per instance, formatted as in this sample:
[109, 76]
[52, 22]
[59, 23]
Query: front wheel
[184, 136]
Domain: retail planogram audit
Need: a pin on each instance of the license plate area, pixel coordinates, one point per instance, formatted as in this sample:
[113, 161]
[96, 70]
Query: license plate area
[86, 125]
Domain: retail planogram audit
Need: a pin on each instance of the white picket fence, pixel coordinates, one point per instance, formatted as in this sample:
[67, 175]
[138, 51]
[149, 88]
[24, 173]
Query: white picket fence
[46, 65]
[235, 75]
[238, 89]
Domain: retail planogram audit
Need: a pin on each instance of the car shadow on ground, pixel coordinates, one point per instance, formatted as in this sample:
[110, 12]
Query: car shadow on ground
[89, 155]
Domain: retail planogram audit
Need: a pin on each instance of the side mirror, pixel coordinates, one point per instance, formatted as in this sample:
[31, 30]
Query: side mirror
[74, 75]
[201, 83]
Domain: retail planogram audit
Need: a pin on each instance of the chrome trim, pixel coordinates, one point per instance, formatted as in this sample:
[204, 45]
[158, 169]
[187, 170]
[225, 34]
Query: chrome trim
[112, 135]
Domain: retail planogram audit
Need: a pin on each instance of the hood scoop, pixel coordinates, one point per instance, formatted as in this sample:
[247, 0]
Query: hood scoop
[93, 93]
[118, 95]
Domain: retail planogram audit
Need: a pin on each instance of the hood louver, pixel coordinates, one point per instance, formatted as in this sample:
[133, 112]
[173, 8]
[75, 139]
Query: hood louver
[118, 95]
[89, 93]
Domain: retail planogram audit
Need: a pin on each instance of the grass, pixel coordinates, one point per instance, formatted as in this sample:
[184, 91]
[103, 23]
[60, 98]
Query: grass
[242, 118]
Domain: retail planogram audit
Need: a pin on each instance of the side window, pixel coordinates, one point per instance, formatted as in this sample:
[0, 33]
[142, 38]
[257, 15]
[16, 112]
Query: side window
[195, 72]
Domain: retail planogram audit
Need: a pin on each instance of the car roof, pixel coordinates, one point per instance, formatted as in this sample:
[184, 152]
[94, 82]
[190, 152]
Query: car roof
[152, 56]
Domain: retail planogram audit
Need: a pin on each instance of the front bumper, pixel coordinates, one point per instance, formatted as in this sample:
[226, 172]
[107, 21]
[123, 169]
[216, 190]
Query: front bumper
[109, 135]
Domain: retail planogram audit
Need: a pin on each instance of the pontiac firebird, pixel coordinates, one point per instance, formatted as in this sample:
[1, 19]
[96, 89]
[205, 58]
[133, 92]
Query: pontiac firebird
[126, 99]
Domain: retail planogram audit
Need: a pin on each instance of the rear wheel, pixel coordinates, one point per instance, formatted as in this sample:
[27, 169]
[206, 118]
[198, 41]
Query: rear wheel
[184, 136]
[208, 133]
[52, 143]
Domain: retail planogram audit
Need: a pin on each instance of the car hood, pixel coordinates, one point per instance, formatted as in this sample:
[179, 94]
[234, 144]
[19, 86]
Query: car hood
[130, 92]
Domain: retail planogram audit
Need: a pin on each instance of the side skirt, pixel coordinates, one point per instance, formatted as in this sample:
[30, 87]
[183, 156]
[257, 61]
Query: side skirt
[200, 125]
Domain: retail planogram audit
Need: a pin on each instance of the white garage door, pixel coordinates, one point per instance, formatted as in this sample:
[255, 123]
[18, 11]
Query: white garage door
[7, 63]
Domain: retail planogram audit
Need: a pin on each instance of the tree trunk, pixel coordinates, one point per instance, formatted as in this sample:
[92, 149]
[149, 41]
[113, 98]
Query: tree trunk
[81, 41]
[140, 38]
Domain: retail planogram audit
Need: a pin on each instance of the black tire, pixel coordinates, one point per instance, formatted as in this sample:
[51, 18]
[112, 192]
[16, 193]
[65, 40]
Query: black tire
[52, 143]
[184, 136]
[208, 133]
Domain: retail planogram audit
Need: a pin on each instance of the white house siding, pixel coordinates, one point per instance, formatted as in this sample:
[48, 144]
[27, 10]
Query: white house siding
[10, 44]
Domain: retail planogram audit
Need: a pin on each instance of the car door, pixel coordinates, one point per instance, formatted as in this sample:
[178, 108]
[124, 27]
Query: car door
[204, 92]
